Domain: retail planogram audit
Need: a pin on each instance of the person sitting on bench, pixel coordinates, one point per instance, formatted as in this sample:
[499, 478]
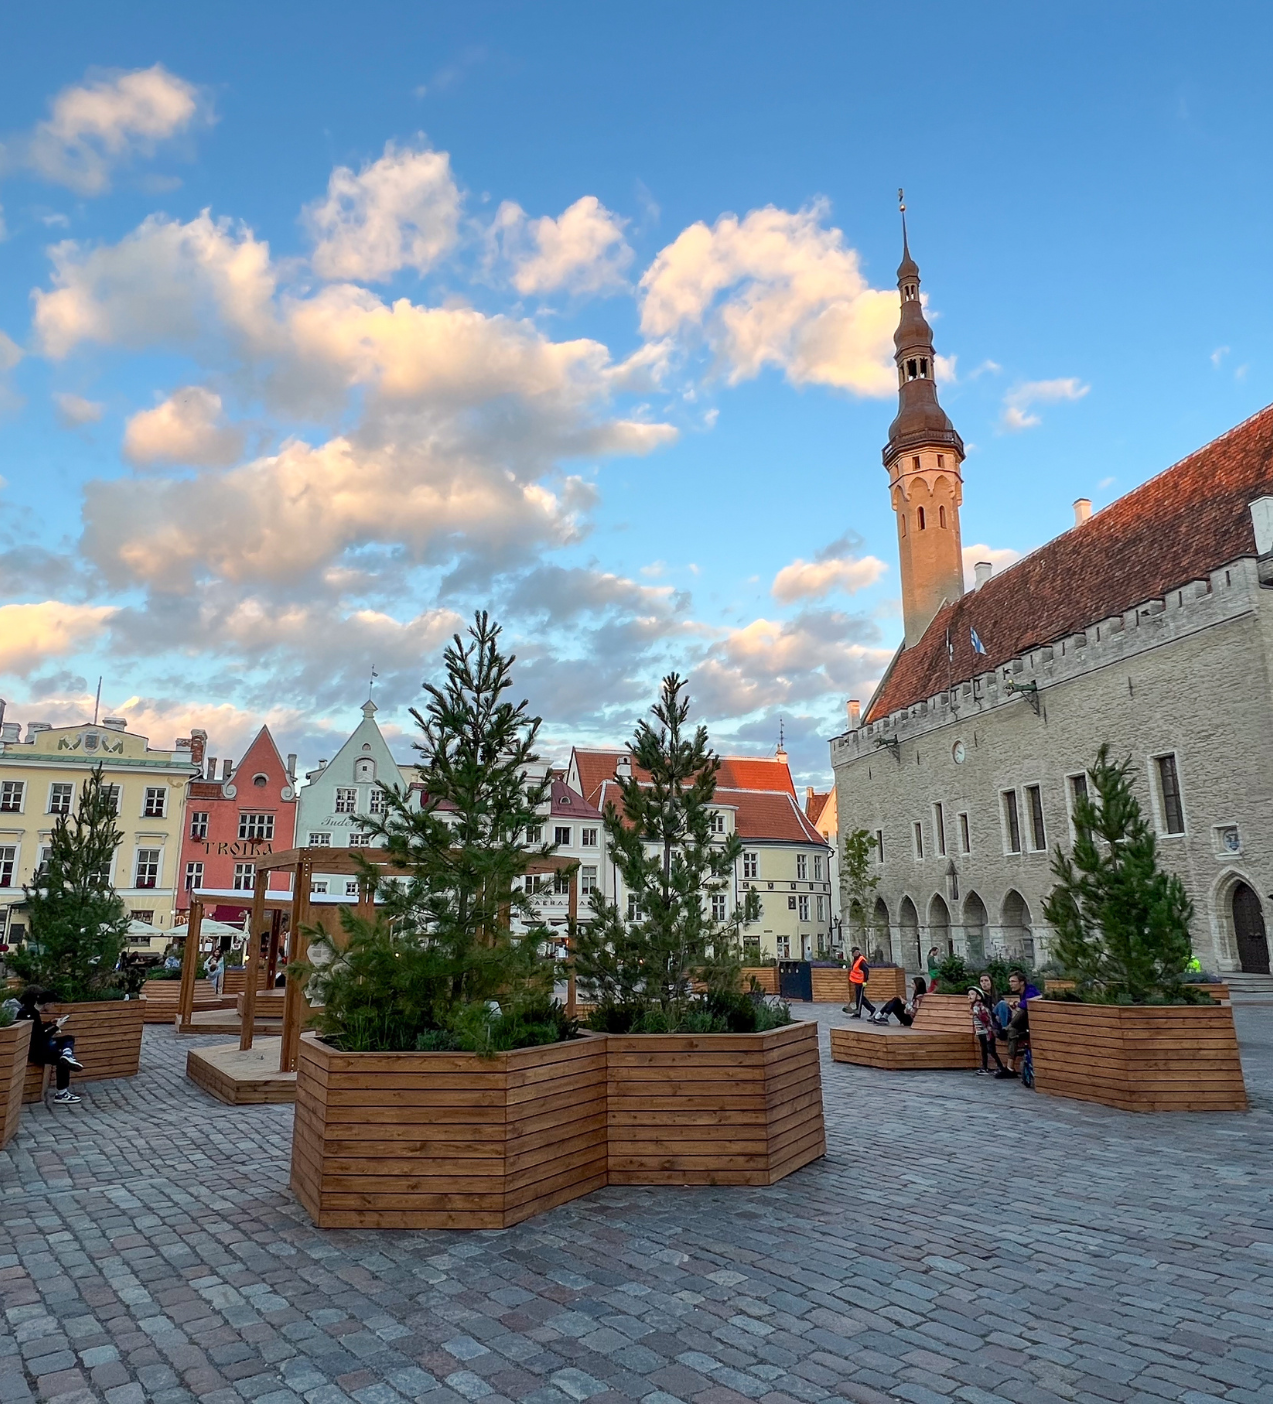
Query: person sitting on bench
[904, 1011]
[49, 1045]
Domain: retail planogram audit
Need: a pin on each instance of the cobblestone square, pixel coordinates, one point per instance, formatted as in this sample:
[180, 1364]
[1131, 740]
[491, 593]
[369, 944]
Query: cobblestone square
[963, 1239]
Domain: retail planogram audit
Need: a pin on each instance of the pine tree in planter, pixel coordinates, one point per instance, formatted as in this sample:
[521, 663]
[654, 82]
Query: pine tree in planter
[1121, 922]
[671, 961]
[77, 921]
[441, 953]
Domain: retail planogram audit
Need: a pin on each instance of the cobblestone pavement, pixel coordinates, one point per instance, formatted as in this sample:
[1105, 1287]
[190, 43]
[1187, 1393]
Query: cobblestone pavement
[963, 1239]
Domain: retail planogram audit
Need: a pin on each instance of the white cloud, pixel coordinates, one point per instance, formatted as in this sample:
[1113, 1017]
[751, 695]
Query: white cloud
[99, 125]
[583, 251]
[1019, 401]
[1218, 355]
[775, 288]
[812, 580]
[1000, 557]
[30, 634]
[10, 353]
[946, 370]
[74, 410]
[401, 211]
[187, 428]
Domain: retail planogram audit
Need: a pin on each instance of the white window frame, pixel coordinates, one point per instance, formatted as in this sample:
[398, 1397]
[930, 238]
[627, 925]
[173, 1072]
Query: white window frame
[378, 802]
[351, 887]
[1159, 798]
[244, 877]
[562, 835]
[159, 868]
[587, 879]
[70, 798]
[751, 864]
[318, 886]
[320, 838]
[116, 793]
[720, 906]
[1005, 821]
[802, 867]
[10, 853]
[360, 840]
[10, 788]
[804, 906]
[783, 947]
[346, 799]
[160, 794]
[817, 867]
[194, 875]
[253, 819]
[822, 906]
[717, 825]
[199, 825]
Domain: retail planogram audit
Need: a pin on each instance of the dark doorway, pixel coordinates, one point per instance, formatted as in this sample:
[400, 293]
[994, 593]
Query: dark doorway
[1248, 926]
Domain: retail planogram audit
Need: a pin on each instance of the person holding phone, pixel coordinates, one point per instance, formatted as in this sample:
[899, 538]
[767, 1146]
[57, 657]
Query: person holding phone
[49, 1045]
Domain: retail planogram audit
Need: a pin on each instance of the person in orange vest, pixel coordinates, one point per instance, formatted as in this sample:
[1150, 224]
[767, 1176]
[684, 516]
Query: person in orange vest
[858, 971]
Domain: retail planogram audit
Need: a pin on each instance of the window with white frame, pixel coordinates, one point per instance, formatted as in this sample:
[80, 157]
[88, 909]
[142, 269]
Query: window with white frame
[12, 793]
[379, 801]
[822, 907]
[587, 879]
[718, 906]
[588, 838]
[1171, 810]
[155, 803]
[917, 838]
[351, 887]
[534, 835]
[635, 912]
[320, 838]
[194, 876]
[42, 856]
[61, 797]
[561, 884]
[802, 866]
[198, 823]
[965, 834]
[256, 826]
[561, 835]
[146, 873]
[346, 800]
[751, 865]
[318, 886]
[804, 906]
[1034, 807]
[817, 867]
[8, 861]
[1011, 822]
[360, 840]
[717, 822]
[784, 947]
[110, 793]
[244, 877]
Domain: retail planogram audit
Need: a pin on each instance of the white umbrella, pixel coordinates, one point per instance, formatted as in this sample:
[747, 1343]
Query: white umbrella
[143, 930]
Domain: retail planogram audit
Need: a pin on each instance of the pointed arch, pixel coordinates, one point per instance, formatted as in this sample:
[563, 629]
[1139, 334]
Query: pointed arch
[1016, 928]
[908, 927]
[939, 925]
[881, 931]
[974, 927]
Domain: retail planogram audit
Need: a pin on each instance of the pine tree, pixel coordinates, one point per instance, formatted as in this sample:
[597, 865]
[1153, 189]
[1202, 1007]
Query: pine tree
[672, 865]
[78, 923]
[442, 945]
[1121, 922]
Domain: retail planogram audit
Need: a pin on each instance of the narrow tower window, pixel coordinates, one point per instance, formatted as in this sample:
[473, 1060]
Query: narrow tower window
[915, 463]
[921, 518]
[912, 370]
[941, 460]
[941, 516]
[923, 367]
[902, 519]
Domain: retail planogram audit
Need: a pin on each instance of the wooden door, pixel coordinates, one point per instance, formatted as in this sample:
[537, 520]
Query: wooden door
[1248, 926]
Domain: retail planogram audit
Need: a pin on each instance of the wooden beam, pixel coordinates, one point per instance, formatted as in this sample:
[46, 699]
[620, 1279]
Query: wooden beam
[572, 916]
[190, 963]
[247, 1020]
[294, 1002]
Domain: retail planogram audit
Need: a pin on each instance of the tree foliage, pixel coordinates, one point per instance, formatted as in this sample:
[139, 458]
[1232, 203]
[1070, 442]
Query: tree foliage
[442, 949]
[857, 881]
[78, 923]
[1121, 922]
[655, 956]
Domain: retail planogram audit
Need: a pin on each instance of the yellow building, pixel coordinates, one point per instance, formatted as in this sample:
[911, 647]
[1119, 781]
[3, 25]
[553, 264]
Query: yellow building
[40, 779]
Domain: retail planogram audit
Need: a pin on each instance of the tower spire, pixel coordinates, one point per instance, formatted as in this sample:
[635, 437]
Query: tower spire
[924, 455]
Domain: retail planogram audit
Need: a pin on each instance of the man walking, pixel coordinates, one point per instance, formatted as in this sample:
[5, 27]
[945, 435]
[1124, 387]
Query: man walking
[858, 971]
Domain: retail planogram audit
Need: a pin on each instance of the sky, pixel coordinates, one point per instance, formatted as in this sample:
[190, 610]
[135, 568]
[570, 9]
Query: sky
[322, 326]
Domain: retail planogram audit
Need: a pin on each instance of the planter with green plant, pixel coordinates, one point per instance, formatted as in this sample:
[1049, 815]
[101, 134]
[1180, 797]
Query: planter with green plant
[78, 929]
[444, 1087]
[706, 1085]
[1133, 1032]
[15, 1039]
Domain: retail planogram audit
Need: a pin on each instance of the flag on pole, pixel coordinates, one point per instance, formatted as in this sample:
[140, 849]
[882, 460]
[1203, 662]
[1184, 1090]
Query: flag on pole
[978, 646]
[950, 647]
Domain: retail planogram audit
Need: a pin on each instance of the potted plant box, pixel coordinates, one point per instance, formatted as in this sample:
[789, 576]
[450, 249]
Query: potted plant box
[107, 1036]
[714, 1109]
[766, 976]
[15, 1039]
[447, 1140]
[236, 979]
[160, 999]
[1146, 1057]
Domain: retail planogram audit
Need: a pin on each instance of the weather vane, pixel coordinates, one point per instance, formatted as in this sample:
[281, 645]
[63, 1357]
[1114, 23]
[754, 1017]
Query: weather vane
[372, 682]
[901, 199]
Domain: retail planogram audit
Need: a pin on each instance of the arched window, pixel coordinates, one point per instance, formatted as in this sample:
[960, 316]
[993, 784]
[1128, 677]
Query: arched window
[912, 369]
[923, 367]
[941, 516]
[920, 515]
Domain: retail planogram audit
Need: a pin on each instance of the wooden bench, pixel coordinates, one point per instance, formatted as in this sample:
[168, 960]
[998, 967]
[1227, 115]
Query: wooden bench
[107, 1041]
[160, 999]
[941, 1037]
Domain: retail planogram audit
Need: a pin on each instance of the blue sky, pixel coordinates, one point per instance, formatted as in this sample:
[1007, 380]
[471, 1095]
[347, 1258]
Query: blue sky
[327, 324]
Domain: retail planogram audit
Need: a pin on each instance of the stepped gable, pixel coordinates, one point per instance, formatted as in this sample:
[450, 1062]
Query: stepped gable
[1178, 527]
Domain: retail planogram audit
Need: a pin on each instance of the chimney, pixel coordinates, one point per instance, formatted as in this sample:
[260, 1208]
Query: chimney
[855, 714]
[198, 744]
[623, 767]
[10, 731]
[227, 768]
[115, 723]
[809, 793]
[34, 729]
[1082, 510]
[291, 767]
[981, 572]
[212, 767]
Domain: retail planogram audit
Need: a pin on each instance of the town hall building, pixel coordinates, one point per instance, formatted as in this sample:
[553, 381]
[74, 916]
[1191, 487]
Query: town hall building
[1147, 625]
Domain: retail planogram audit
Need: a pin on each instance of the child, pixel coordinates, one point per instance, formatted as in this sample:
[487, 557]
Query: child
[983, 1025]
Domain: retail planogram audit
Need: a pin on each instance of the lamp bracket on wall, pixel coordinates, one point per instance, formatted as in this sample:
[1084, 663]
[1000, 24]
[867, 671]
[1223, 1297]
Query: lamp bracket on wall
[1030, 691]
[890, 744]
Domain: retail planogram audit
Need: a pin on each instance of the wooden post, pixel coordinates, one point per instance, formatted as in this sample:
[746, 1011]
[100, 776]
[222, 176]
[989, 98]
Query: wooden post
[294, 1002]
[252, 963]
[190, 963]
[572, 916]
[276, 931]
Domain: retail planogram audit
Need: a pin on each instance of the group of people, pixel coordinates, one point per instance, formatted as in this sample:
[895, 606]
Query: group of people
[995, 1018]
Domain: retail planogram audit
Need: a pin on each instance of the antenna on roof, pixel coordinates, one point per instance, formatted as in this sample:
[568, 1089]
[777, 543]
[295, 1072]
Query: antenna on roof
[97, 705]
[781, 752]
[372, 681]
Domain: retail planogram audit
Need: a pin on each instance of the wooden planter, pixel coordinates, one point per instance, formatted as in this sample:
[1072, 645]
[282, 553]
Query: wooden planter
[14, 1042]
[236, 979]
[447, 1140]
[941, 1037]
[714, 1109]
[1174, 1057]
[831, 984]
[766, 976]
[107, 1036]
[160, 999]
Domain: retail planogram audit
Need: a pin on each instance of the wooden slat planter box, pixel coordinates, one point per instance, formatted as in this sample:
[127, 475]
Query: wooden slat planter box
[766, 976]
[235, 980]
[714, 1109]
[107, 1036]
[242, 1077]
[160, 999]
[941, 1037]
[447, 1140]
[831, 984]
[1138, 1057]
[14, 1042]
[1219, 992]
[885, 983]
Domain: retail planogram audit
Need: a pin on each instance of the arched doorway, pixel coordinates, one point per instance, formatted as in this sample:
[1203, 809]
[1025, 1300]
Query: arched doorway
[1014, 922]
[880, 939]
[974, 927]
[939, 927]
[1248, 928]
[908, 920]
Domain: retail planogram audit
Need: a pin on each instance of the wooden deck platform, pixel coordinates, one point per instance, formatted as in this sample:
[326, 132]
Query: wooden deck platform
[226, 1021]
[241, 1079]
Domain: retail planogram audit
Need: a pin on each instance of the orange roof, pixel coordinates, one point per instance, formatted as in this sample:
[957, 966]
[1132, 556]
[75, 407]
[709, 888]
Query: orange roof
[1178, 527]
[815, 803]
[770, 815]
[736, 772]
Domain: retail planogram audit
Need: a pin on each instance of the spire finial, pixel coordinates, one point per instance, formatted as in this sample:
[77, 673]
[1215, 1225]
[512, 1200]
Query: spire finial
[908, 269]
[901, 209]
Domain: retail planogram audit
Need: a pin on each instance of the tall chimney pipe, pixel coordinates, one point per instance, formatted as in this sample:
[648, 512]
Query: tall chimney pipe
[1082, 510]
[855, 713]
[982, 572]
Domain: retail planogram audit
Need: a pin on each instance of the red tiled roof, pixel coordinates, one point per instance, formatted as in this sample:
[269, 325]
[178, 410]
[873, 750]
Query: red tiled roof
[566, 802]
[815, 803]
[772, 815]
[736, 772]
[1178, 527]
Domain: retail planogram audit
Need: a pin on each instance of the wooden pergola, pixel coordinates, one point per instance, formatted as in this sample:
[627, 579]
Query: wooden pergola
[302, 864]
